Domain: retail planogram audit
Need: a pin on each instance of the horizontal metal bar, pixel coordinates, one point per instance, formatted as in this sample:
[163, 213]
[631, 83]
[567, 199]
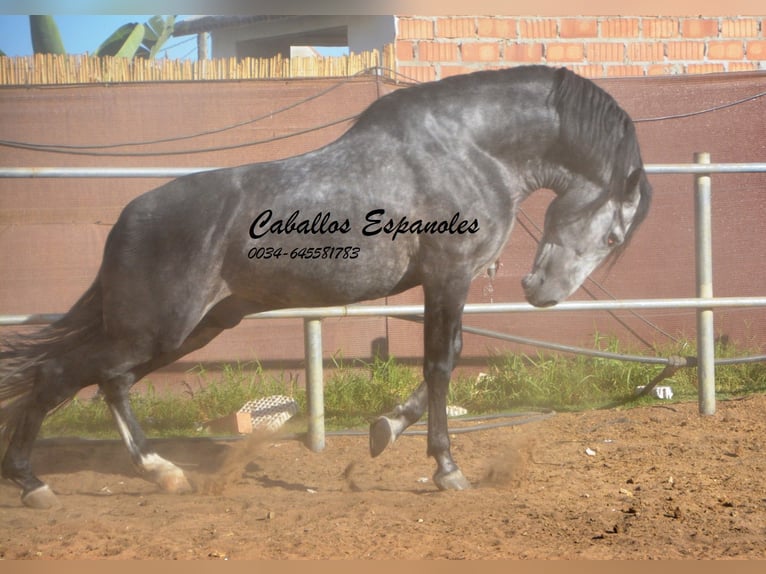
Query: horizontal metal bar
[694, 168]
[89, 172]
[165, 172]
[470, 309]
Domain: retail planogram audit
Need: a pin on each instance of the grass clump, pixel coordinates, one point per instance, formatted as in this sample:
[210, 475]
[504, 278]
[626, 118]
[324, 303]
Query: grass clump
[356, 392]
[170, 414]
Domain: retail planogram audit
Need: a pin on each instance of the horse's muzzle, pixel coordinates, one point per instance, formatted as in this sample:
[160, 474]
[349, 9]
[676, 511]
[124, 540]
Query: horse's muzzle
[532, 284]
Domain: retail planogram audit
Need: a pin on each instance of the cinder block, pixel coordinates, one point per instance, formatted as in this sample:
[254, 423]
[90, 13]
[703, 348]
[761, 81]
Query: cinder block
[234, 423]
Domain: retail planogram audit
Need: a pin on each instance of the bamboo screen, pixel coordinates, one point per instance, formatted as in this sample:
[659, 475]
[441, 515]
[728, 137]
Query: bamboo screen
[47, 69]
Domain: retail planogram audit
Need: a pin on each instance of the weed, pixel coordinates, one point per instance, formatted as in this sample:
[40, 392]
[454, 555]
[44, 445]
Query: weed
[357, 391]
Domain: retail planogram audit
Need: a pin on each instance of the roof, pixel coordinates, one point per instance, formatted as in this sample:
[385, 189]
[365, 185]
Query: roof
[197, 25]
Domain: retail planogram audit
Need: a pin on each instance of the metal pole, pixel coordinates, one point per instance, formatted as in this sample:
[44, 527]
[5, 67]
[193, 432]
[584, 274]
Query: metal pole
[312, 336]
[704, 265]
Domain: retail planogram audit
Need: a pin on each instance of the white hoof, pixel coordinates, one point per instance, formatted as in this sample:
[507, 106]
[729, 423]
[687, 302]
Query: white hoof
[40, 498]
[454, 480]
[174, 483]
[382, 435]
[168, 476]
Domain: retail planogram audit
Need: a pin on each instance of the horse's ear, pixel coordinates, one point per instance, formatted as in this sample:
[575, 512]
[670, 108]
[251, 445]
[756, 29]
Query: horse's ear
[633, 184]
[633, 179]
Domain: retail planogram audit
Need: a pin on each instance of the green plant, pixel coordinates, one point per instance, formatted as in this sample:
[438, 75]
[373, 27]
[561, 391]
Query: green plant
[135, 40]
[355, 392]
[46, 38]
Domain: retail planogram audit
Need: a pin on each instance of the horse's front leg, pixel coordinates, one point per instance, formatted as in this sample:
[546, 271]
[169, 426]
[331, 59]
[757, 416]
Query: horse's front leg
[443, 342]
[148, 463]
[386, 429]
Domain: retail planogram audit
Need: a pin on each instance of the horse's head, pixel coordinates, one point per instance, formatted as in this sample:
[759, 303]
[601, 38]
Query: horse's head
[583, 227]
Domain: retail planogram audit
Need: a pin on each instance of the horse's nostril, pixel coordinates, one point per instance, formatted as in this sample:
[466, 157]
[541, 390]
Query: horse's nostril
[531, 281]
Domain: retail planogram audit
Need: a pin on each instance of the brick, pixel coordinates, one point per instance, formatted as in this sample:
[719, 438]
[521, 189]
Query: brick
[685, 50]
[740, 28]
[605, 52]
[699, 28]
[558, 52]
[589, 71]
[447, 71]
[405, 50]
[523, 52]
[480, 51]
[538, 29]
[619, 28]
[496, 27]
[742, 66]
[417, 73]
[455, 28]
[756, 50]
[437, 51]
[665, 70]
[704, 68]
[578, 28]
[234, 423]
[659, 27]
[731, 50]
[624, 71]
[415, 29]
[646, 51]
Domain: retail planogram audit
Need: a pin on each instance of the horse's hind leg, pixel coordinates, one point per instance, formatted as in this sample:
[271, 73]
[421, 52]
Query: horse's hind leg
[50, 390]
[147, 462]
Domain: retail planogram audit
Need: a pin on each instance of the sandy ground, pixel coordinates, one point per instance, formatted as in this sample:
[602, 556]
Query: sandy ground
[651, 482]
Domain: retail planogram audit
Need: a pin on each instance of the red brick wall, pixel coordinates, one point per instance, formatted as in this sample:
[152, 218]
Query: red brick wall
[434, 47]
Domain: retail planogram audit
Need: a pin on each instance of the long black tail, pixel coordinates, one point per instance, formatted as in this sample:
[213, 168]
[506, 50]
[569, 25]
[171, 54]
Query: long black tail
[22, 355]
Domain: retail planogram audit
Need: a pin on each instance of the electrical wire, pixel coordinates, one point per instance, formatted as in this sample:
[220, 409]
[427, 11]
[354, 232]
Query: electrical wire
[62, 148]
[190, 151]
[376, 71]
[700, 112]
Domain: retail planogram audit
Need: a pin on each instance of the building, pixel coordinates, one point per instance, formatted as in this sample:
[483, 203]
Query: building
[434, 47]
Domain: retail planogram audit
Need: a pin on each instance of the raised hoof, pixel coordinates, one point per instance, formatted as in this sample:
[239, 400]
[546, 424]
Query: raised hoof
[174, 483]
[451, 481]
[40, 498]
[381, 436]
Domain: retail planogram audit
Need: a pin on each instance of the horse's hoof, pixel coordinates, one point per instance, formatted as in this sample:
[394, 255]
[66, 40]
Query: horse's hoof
[40, 498]
[451, 480]
[381, 436]
[174, 482]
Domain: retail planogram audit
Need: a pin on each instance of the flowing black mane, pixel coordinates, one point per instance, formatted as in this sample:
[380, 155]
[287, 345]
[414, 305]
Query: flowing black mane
[588, 114]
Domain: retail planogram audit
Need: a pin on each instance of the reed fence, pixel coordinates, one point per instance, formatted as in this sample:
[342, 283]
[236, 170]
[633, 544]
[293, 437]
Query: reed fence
[46, 69]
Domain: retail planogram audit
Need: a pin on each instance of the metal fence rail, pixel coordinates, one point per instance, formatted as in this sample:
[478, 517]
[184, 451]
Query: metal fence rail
[704, 302]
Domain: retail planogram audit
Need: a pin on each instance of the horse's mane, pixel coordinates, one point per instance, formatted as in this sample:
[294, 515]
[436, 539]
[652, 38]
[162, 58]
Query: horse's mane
[592, 125]
[596, 133]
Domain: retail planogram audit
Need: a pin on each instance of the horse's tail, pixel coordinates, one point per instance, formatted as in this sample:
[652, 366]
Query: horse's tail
[22, 355]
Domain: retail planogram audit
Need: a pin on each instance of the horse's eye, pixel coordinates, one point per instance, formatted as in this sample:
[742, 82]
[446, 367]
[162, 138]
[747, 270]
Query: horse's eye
[613, 240]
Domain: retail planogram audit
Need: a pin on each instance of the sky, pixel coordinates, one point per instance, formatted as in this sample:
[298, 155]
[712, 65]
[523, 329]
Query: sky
[82, 33]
